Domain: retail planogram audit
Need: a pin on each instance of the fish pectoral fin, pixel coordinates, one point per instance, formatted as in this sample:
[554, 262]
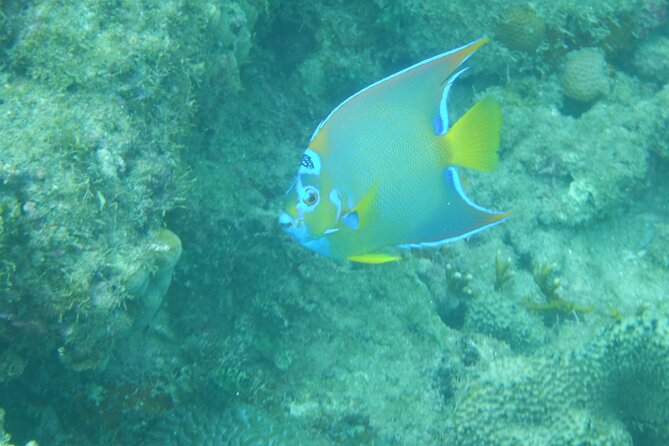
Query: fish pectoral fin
[362, 211]
[351, 219]
[474, 138]
[373, 258]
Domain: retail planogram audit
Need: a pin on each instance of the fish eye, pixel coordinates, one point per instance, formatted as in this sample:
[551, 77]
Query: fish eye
[311, 198]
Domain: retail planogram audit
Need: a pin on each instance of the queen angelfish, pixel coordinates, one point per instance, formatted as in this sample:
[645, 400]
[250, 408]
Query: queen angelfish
[379, 170]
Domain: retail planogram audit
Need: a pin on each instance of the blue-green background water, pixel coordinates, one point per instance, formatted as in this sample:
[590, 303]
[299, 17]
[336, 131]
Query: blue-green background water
[147, 296]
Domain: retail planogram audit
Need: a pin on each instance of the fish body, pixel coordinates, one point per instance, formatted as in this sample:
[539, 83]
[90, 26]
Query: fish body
[378, 171]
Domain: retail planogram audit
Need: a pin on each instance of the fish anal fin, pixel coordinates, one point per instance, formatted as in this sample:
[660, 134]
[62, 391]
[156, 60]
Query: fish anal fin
[373, 258]
[474, 138]
[467, 217]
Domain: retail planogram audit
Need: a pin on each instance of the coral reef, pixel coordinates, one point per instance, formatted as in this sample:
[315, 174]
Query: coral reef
[495, 316]
[123, 119]
[597, 394]
[587, 174]
[96, 104]
[4, 437]
[585, 75]
[651, 60]
[242, 425]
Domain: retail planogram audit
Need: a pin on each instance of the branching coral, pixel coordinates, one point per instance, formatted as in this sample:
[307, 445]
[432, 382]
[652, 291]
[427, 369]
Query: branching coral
[459, 282]
[554, 306]
[503, 271]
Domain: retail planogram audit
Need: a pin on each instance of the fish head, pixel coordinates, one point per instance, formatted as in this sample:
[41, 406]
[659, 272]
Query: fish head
[312, 206]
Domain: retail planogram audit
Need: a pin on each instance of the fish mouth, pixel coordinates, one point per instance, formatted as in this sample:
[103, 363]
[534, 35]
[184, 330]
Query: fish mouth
[296, 228]
[286, 222]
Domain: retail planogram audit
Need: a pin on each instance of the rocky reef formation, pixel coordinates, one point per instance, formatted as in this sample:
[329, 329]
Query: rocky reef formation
[146, 295]
[97, 103]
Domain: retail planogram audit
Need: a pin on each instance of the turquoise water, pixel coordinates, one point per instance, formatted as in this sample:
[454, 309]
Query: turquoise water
[147, 296]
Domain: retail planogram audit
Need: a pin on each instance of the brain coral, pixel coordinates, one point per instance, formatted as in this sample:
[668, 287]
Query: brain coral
[521, 28]
[604, 393]
[585, 77]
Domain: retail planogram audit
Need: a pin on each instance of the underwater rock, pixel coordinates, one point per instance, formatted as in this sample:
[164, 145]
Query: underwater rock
[12, 365]
[658, 248]
[588, 168]
[90, 340]
[149, 283]
[585, 75]
[4, 437]
[238, 426]
[651, 60]
[494, 315]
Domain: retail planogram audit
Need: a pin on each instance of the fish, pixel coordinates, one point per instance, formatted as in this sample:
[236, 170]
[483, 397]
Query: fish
[379, 172]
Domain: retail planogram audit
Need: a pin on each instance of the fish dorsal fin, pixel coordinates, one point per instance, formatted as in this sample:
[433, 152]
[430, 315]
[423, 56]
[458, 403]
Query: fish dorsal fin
[417, 87]
[362, 212]
[440, 121]
[474, 138]
[318, 141]
[373, 258]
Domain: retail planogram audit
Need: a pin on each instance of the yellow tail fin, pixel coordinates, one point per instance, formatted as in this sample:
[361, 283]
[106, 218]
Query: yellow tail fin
[474, 139]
